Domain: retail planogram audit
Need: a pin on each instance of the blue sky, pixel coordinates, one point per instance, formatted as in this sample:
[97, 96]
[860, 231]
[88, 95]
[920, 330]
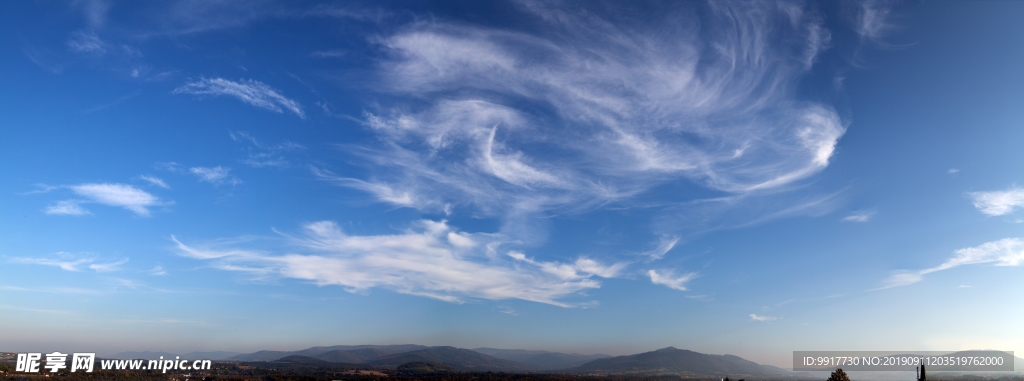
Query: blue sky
[743, 178]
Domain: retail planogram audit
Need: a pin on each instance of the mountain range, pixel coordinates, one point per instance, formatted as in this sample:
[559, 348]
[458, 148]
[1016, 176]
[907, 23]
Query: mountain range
[542, 360]
[216, 355]
[665, 361]
[461, 359]
[685, 363]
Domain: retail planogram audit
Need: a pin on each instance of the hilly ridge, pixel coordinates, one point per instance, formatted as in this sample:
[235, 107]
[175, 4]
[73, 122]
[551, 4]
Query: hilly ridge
[682, 362]
[461, 359]
[663, 361]
[363, 352]
[542, 360]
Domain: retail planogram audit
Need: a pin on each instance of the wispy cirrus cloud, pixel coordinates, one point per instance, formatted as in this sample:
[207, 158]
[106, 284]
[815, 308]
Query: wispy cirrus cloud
[155, 181]
[666, 244]
[215, 175]
[668, 279]
[107, 267]
[756, 317]
[262, 155]
[70, 262]
[432, 259]
[859, 216]
[68, 207]
[87, 42]
[1004, 252]
[329, 53]
[120, 195]
[598, 109]
[998, 203]
[94, 11]
[250, 91]
[872, 20]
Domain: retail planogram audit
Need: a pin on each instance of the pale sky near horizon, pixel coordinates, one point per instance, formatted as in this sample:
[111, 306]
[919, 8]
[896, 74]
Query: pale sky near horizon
[744, 178]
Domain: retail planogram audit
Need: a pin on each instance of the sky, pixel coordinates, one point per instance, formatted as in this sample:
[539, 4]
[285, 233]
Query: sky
[750, 178]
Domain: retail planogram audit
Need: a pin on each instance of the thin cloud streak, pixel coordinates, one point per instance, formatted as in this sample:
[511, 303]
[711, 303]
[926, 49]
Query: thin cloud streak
[859, 217]
[666, 244]
[120, 195]
[998, 203]
[67, 207]
[68, 262]
[755, 317]
[155, 181]
[431, 259]
[1004, 252]
[215, 175]
[668, 279]
[250, 91]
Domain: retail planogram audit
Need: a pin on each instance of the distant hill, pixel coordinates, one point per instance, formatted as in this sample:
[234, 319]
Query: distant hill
[461, 359]
[372, 353]
[132, 355]
[341, 355]
[299, 359]
[542, 360]
[360, 355]
[683, 362]
[216, 355]
[366, 351]
[261, 356]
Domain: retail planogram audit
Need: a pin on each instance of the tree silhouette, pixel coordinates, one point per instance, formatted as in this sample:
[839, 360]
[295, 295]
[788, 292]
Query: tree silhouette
[838, 375]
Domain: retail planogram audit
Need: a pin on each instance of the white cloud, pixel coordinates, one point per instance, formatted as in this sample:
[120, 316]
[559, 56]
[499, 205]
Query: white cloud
[424, 261]
[250, 91]
[756, 317]
[901, 279]
[264, 155]
[666, 244]
[168, 166]
[329, 53]
[69, 262]
[1004, 252]
[94, 11]
[952, 171]
[87, 42]
[871, 22]
[215, 175]
[69, 207]
[859, 217]
[998, 203]
[381, 191]
[107, 267]
[155, 181]
[121, 195]
[667, 278]
[63, 263]
[507, 310]
[598, 111]
[582, 268]
[127, 282]
[158, 270]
